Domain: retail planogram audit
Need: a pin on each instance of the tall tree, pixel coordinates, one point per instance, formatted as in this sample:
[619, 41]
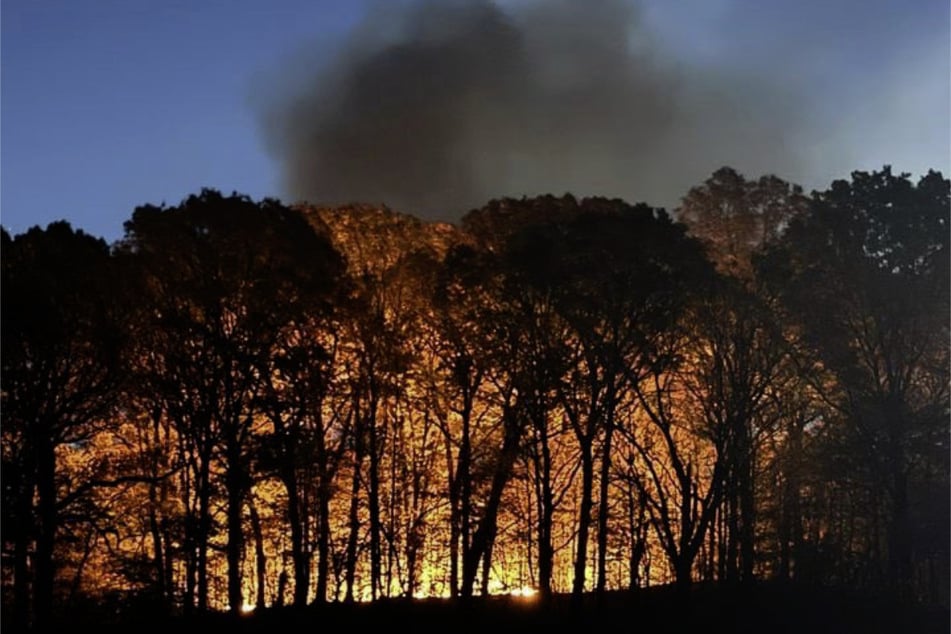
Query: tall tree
[738, 357]
[61, 353]
[306, 441]
[866, 275]
[228, 276]
[736, 217]
[522, 350]
[742, 354]
[679, 462]
[621, 277]
[457, 310]
[383, 249]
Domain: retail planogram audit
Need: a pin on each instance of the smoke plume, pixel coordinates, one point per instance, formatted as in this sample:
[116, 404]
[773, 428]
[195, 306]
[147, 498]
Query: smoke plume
[435, 107]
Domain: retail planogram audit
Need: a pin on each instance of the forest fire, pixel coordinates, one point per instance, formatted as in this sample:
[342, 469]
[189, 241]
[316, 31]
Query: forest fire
[534, 316]
[559, 396]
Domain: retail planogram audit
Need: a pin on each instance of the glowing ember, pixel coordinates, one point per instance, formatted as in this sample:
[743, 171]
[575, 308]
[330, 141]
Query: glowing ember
[524, 592]
[247, 608]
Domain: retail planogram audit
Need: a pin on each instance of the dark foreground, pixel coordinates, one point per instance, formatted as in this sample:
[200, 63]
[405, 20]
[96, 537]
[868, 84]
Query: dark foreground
[764, 608]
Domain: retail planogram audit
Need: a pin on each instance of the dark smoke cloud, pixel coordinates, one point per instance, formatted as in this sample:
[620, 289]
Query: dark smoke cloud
[435, 107]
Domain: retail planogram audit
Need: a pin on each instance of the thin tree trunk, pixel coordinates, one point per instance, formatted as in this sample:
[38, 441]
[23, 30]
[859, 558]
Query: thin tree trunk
[190, 547]
[299, 555]
[747, 509]
[204, 530]
[790, 527]
[546, 551]
[158, 551]
[260, 559]
[603, 505]
[454, 538]
[373, 500]
[159, 554]
[733, 534]
[464, 471]
[636, 521]
[721, 532]
[281, 589]
[323, 540]
[324, 492]
[354, 515]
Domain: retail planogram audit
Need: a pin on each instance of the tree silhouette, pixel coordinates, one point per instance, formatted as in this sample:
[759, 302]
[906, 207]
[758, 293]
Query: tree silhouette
[561, 395]
[866, 275]
[228, 278]
[61, 352]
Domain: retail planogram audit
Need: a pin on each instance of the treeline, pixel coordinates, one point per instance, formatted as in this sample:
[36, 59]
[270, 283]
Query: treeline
[244, 404]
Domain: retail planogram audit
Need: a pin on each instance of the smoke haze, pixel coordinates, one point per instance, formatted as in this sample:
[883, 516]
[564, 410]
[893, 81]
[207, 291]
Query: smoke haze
[435, 107]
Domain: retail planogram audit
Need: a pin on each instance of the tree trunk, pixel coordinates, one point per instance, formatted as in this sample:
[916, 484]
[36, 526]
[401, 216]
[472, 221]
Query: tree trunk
[683, 578]
[584, 519]
[454, 528]
[732, 534]
[373, 501]
[790, 525]
[747, 504]
[22, 529]
[190, 548]
[460, 485]
[487, 564]
[603, 505]
[299, 554]
[409, 588]
[161, 556]
[354, 514]
[721, 541]
[633, 561]
[546, 551]
[234, 483]
[44, 566]
[464, 471]
[204, 530]
[454, 538]
[711, 562]
[281, 589]
[324, 492]
[485, 532]
[323, 540]
[158, 551]
[260, 560]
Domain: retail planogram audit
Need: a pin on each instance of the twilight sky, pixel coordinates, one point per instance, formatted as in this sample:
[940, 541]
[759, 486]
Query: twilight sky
[108, 104]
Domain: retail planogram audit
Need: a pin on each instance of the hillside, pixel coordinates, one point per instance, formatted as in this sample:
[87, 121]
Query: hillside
[764, 608]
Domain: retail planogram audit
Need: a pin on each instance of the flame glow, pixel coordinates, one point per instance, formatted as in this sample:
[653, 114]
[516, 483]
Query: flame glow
[524, 592]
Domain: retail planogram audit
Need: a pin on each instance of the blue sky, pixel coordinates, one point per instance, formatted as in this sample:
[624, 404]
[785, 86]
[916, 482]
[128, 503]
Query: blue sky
[109, 104]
